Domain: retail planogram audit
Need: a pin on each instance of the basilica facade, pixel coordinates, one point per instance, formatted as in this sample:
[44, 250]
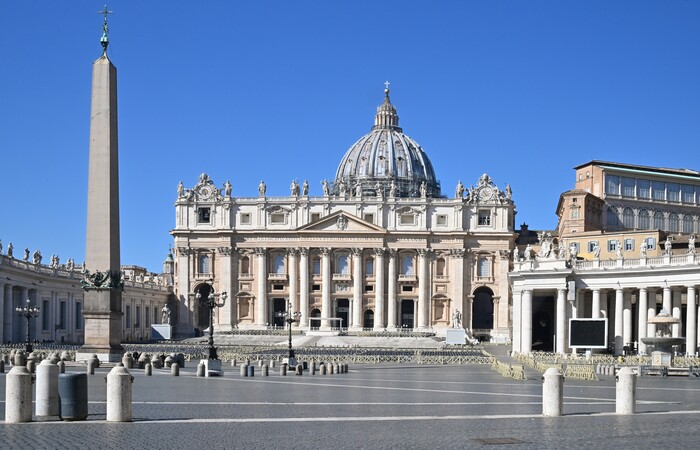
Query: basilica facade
[382, 249]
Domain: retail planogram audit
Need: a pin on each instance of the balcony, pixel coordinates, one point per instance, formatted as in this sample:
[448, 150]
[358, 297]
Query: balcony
[277, 276]
[407, 278]
[341, 277]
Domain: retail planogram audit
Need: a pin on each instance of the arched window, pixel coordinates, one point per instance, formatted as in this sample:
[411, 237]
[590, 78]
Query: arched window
[440, 267]
[204, 264]
[658, 220]
[673, 222]
[245, 265]
[343, 266]
[407, 265]
[628, 218]
[278, 264]
[483, 267]
[643, 219]
[687, 223]
[612, 219]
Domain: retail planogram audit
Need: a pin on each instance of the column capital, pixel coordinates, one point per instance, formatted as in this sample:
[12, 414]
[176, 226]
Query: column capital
[292, 251]
[457, 253]
[392, 252]
[379, 252]
[325, 251]
[356, 251]
[304, 251]
[260, 251]
[226, 251]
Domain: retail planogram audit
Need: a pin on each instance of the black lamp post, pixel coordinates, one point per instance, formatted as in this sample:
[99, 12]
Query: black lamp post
[211, 302]
[290, 317]
[28, 312]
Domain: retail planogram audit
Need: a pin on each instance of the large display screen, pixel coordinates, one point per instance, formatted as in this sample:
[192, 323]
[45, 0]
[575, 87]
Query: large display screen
[588, 333]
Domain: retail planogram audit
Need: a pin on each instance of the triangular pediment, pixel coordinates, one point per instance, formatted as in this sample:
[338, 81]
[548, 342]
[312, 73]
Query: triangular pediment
[342, 221]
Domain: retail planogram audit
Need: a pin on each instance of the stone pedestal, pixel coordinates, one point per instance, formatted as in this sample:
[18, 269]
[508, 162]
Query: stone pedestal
[661, 359]
[456, 336]
[161, 332]
[212, 367]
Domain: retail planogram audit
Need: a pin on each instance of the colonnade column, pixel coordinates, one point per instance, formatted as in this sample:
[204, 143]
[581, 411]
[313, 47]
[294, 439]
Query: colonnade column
[356, 289]
[391, 300]
[561, 321]
[325, 287]
[516, 320]
[2, 311]
[676, 312]
[691, 327]
[379, 290]
[261, 300]
[651, 312]
[627, 318]
[526, 325]
[293, 277]
[423, 283]
[226, 314]
[304, 285]
[8, 315]
[642, 307]
[666, 300]
[619, 312]
[595, 304]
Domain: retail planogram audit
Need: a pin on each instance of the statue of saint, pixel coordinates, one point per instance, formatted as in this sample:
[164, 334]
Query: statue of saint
[573, 251]
[456, 319]
[165, 315]
[667, 246]
[262, 188]
[180, 190]
[326, 188]
[643, 249]
[0, 246]
[26, 254]
[509, 192]
[341, 188]
[618, 249]
[294, 187]
[227, 188]
[459, 191]
[358, 189]
[392, 189]
[596, 250]
[36, 257]
[515, 254]
[528, 252]
[305, 188]
[423, 190]
[691, 244]
[10, 250]
[378, 189]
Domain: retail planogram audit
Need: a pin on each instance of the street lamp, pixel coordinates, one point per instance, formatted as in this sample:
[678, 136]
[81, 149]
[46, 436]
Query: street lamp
[211, 302]
[290, 317]
[28, 312]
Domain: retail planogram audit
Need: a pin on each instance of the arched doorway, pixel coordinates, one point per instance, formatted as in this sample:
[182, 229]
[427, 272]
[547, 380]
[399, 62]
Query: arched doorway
[315, 313]
[368, 321]
[407, 312]
[279, 306]
[482, 309]
[341, 311]
[202, 319]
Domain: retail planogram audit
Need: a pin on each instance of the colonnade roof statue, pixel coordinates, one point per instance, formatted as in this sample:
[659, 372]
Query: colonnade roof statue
[384, 157]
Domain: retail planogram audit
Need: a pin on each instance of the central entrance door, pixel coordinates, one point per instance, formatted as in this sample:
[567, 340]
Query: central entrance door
[202, 311]
[342, 311]
[279, 306]
[407, 313]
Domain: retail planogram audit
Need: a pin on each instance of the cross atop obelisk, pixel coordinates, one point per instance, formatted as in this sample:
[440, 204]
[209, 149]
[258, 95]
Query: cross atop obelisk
[104, 40]
[102, 279]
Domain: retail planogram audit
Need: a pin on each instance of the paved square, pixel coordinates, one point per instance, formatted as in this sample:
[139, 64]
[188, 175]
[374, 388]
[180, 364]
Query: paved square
[372, 406]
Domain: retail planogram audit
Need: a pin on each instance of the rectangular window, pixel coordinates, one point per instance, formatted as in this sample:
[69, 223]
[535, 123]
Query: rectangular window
[483, 269]
[612, 245]
[651, 243]
[315, 287]
[203, 215]
[369, 267]
[78, 316]
[137, 319]
[316, 267]
[406, 288]
[315, 216]
[369, 218]
[627, 187]
[369, 288]
[45, 316]
[591, 246]
[127, 316]
[277, 287]
[674, 192]
[688, 194]
[441, 220]
[484, 217]
[612, 185]
[277, 218]
[407, 219]
[658, 190]
[629, 245]
[643, 189]
[574, 212]
[62, 315]
[245, 219]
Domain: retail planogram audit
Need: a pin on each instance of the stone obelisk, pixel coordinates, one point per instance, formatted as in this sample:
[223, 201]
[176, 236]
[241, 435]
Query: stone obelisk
[102, 279]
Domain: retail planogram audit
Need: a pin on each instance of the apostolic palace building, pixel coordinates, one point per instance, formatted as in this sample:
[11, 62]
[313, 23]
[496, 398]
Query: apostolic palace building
[382, 249]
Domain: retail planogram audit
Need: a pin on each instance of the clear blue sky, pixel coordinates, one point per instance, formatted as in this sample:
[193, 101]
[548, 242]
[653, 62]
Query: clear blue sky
[276, 90]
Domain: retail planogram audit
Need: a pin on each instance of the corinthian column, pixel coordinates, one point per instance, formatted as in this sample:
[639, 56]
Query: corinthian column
[304, 286]
[379, 290]
[423, 284]
[293, 277]
[325, 287]
[356, 318]
[261, 278]
[391, 300]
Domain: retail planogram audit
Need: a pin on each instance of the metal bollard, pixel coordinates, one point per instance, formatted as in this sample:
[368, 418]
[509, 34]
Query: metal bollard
[272, 363]
[313, 368]
[2, 366]
[47, 389]
[265, 370]
[553, 393]
[322, 369]
[175, 370]
[201, 370]
[251, 371]
[300, 369]
[119, 383]
[18, 395]
[61, 366]
[331, 369]
[148, 369]
[260, 363]
[244, 370]
[283, 370]
[625, 391]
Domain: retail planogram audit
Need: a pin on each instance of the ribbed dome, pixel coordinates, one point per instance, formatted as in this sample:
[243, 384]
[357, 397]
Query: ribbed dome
[386, 155]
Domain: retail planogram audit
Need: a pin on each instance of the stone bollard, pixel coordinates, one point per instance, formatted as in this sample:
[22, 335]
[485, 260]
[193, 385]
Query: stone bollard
[265, 370]
[273, 363]
[322, 369]
[260, 363]
[18, 395]
[54, 358]
[65, 356]
[552, 393]
[244, 370]
[148, 369]
[251, 371]
[47, 389]
[169, 360]
[6, 360]
[175, 370]
[156, 363]
[283, 370]
[299, 370]
[19, 359]
[201, 369]
[233, 362]
[625, 391]
[61, 367]
[31, 365]
[2, 366]
[143, 360]
[119, 383]
[331, 369]
[313, 368]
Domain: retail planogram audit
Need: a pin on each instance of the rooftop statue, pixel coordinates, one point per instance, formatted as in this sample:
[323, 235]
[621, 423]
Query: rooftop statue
[262, 188]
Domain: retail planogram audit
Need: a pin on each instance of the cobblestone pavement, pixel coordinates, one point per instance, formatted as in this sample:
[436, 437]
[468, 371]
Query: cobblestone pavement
[372, 406]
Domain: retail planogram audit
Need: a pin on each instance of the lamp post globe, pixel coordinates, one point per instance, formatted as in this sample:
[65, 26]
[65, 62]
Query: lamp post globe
[211, 301]
[28, 312]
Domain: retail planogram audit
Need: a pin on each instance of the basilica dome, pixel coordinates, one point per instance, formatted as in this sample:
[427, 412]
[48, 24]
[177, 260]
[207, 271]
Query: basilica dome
[386, 161]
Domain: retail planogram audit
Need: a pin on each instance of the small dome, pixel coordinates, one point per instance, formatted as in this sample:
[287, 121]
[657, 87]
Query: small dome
[384, 156]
